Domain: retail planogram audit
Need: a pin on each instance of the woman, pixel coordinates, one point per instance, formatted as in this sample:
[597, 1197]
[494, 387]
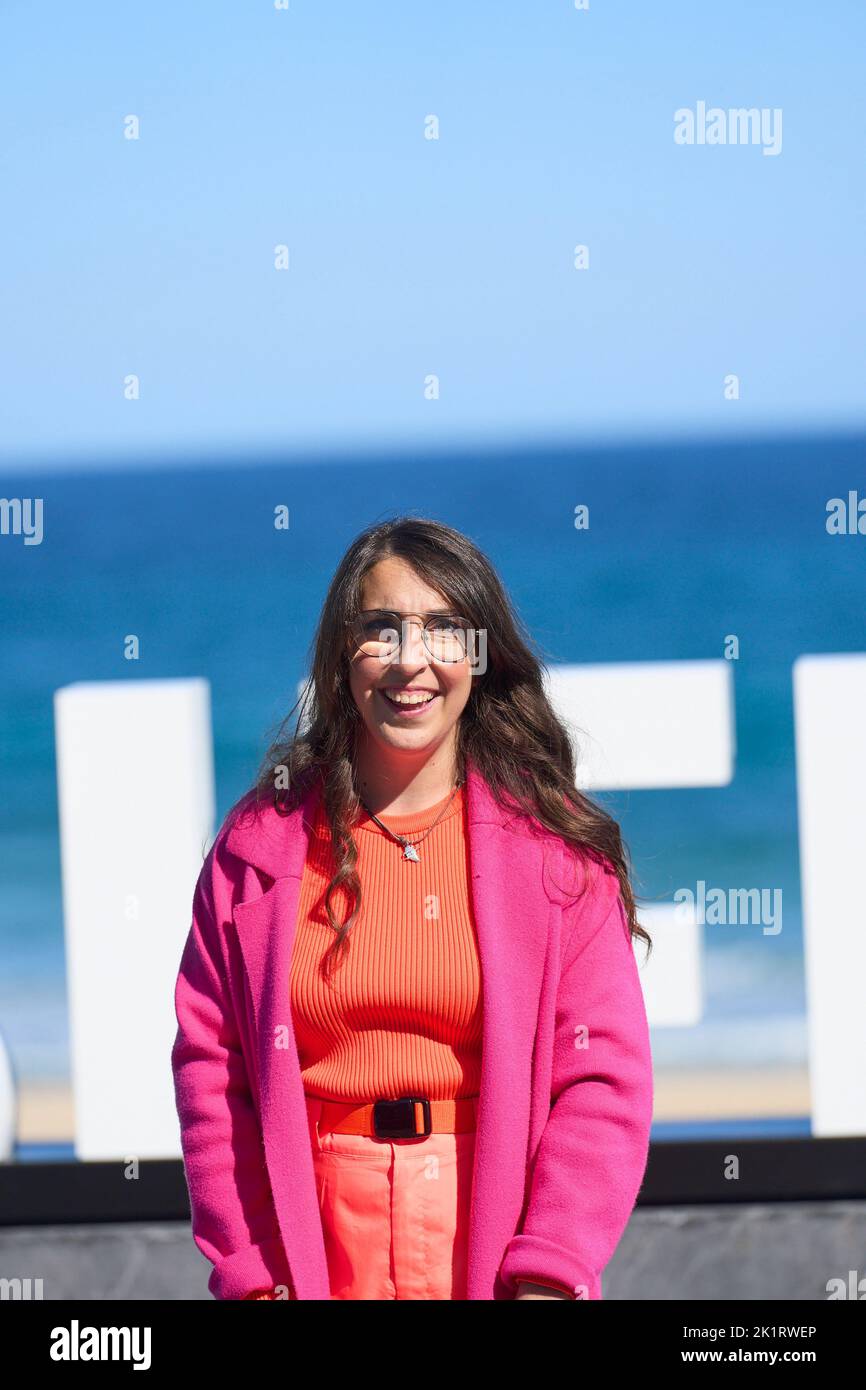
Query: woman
[412, 1058]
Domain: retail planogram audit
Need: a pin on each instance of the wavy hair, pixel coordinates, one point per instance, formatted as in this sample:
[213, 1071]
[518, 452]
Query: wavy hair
[508, 728]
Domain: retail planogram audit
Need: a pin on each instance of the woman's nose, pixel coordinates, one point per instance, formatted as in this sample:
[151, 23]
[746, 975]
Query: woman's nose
[413, 651]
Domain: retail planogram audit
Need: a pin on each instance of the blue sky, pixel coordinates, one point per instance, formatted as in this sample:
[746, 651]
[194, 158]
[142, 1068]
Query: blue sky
[410, 256]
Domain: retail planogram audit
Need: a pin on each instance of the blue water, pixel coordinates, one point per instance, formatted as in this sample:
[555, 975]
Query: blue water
[687, 544]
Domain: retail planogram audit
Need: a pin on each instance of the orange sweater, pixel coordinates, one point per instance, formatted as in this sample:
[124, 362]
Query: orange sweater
[402, 1013]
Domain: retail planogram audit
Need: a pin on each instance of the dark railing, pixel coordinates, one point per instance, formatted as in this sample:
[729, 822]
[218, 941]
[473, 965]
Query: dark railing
[679, 1172]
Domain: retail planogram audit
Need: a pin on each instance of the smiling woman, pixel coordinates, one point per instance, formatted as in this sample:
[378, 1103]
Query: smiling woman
[448, 914]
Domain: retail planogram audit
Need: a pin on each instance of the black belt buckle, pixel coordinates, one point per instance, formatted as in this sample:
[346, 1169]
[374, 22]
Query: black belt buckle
[395, 1119]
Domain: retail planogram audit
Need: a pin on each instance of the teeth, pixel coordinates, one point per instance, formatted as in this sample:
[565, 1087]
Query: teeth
[410, 699]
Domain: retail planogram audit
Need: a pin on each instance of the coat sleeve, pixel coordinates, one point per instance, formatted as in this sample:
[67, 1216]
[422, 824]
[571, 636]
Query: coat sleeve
[233, 1219]
[592, 1155]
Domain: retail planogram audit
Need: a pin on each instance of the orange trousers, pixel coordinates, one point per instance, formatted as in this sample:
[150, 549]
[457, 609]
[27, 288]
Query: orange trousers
[395, 1212]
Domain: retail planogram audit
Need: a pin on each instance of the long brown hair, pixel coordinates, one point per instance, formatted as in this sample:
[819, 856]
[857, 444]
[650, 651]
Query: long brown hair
[508, 727]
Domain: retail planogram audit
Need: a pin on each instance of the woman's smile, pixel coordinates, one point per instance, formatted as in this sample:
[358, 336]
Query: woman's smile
[408, 704]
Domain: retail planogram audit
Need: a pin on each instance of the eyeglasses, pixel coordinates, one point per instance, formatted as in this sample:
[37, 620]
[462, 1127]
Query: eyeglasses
[378, 632]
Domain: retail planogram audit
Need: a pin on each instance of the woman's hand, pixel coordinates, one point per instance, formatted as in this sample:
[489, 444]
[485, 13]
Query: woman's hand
[539, 1291]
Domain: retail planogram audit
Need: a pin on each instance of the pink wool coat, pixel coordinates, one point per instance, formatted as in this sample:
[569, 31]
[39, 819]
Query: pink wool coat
[566, 1087]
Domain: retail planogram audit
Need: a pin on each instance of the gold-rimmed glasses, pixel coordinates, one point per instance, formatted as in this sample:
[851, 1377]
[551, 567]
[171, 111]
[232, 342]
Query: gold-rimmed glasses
[380, 632]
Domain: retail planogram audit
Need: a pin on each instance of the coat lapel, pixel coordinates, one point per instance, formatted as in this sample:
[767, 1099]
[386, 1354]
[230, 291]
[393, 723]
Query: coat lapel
[511, 911]
[265, 930]
[511, 918]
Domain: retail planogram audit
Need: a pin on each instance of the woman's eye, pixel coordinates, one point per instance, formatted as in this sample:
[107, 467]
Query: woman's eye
[381, 630]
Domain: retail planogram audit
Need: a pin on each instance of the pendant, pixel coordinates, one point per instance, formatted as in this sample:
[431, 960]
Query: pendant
[410, 852]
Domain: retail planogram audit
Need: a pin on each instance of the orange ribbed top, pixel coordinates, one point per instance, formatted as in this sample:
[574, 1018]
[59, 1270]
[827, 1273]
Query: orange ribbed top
[402, 1012]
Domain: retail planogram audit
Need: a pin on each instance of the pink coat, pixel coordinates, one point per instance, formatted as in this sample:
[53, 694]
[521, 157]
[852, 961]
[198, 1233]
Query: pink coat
[566, 1071]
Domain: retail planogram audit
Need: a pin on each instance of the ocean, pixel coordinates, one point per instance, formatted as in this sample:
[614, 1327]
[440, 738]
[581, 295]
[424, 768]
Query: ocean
[687, 543]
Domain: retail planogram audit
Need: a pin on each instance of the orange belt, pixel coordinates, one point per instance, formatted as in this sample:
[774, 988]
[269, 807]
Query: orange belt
[410, 1117]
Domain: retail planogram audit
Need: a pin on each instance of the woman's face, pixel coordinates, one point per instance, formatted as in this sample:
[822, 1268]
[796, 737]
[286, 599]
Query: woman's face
[393, 585]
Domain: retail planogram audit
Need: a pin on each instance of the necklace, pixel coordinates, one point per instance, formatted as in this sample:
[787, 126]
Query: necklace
[409, 851]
